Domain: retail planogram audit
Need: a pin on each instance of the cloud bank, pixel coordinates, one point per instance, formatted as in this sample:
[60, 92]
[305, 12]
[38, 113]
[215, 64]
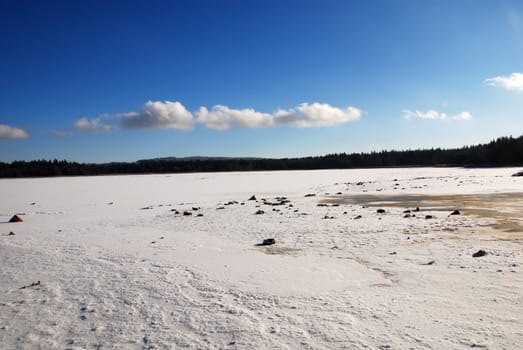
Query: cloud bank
[304, 115]
[174, 115]
[94, 125]
[508, 82]
[435, 115]
[9, 132]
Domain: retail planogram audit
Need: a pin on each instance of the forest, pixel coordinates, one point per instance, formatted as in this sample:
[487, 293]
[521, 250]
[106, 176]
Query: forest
[504, 151]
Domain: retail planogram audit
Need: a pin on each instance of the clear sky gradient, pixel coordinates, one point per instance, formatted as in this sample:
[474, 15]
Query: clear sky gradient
[98, 81]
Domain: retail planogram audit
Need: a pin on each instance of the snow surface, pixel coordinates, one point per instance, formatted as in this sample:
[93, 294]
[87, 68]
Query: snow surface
[120, 269]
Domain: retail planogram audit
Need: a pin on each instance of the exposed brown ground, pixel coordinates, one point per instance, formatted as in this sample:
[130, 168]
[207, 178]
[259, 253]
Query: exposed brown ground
[506, 209]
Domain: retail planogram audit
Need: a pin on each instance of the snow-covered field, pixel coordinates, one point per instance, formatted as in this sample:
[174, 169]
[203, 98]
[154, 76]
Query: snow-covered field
[119, 268]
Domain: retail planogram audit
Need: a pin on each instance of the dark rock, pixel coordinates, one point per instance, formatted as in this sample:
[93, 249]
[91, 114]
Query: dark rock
[455, 212]
[322, 205]
[417, 209]
[406, 211]
[380, 211]
[479, 253]
[310, 195]
[430, 262]
[359, 183]
[220, 208]
[260, 212]
[269, 241]
[338, 193]
[253, 198]
[34, 284]
[11, 233]
[16, 218]
[519, 173]
[429, 217]
[187, 213]
[110, 203]
[407, 216]
[199, 215]
[195, 208]
[357, 217]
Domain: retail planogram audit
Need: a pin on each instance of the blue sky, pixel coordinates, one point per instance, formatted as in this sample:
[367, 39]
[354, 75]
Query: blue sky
[98, 81]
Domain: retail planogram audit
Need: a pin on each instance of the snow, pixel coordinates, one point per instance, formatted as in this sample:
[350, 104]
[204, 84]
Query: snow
[119, 269]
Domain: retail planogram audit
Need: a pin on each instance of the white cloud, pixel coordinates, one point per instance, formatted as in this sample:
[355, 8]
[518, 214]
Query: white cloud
[316, 114]
[435, 115]
[157, 115]
[94, 125]
[508, 82]
[9, 132]
[304, 115]
[223, 117]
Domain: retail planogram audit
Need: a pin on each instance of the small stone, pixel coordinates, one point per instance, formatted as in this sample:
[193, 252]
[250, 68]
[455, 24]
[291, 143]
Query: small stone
[187, 213]
[429, 217]
[269, 241]
[479, 253]
[16, 218]
[380, 211]
[199, 215]
[310, 195]
[253, 198]
[455, 212]
[260, 212]
[11, 233]
[357, 217]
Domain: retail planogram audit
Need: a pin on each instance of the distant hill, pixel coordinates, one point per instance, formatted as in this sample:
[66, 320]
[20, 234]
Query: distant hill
[504, 151]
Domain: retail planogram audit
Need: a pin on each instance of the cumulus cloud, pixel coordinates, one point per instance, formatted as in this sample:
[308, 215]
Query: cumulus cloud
[94, 125]
[435, 115]
[508, 82]
[156, 115]
[316, 114]
[9, 132]
[222, 117]
[304, 115]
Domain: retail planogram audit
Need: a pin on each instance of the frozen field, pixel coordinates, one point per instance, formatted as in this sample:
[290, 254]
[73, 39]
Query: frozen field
[120, 266]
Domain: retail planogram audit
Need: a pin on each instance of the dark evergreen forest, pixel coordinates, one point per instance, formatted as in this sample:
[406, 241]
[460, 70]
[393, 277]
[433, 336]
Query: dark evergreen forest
[504, 151]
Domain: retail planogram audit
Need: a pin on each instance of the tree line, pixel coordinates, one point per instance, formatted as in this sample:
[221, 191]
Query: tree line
[504, 151]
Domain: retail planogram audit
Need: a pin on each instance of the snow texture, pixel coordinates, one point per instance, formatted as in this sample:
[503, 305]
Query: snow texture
[113, 263]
